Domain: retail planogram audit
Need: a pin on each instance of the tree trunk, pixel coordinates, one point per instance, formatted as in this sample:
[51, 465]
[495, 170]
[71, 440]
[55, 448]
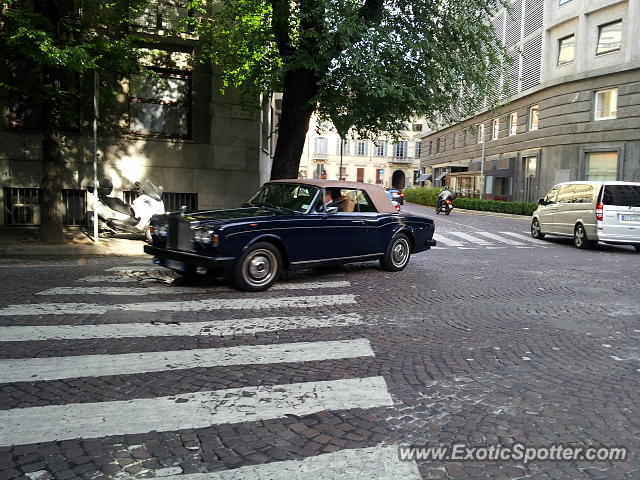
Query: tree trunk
[51, 187]
[300, 86]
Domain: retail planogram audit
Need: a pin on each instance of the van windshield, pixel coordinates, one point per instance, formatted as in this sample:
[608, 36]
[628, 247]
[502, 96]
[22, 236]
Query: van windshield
[622, 195]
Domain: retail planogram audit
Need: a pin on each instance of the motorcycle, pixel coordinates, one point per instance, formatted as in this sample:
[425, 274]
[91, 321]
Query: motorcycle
[117, 216]
[445, 206]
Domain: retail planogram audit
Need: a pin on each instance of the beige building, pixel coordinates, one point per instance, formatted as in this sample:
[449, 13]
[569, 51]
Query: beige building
[386, 162]
[206, 149]
[573, 111]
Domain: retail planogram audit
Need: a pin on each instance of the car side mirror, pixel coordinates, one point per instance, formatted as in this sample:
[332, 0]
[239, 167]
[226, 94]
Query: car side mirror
[542, 201]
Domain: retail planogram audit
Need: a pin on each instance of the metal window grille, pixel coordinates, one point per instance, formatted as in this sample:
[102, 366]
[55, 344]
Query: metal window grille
[532, 63]
[22, 206]
[174, 201]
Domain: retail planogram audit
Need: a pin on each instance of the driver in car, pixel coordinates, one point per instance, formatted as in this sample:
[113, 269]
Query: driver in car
[333, 198]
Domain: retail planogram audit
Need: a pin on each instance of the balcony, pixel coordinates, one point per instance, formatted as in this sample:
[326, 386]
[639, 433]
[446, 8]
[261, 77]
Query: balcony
[319, 157]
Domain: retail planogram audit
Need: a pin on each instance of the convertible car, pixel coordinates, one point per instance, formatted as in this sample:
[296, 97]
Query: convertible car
[290, 224]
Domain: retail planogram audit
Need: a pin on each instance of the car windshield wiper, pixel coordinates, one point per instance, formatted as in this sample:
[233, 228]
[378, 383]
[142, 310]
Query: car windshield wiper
[277, 207]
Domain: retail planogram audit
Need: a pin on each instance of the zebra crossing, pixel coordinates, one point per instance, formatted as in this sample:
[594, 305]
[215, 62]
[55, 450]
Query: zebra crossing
[480, 239]
[23, 426]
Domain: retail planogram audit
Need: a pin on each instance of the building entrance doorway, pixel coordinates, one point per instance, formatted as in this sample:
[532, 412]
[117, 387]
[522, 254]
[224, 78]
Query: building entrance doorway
[398, 180]
[530, 186]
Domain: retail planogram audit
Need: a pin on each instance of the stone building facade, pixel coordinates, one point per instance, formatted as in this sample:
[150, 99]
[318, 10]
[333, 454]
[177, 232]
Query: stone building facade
[573, 111]
[207, 149]
[385, 161]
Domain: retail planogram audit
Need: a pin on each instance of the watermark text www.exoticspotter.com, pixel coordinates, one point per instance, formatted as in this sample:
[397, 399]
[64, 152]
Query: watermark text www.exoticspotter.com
[516, 452]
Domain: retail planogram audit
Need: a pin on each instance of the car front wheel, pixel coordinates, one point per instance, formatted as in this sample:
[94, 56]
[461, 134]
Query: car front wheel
[397, 255]
[258, 268]
[536, 232]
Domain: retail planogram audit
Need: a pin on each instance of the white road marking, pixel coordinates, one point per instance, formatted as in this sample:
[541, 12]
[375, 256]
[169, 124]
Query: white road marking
[173, 290]
[108, 279]
[525, 238]
[240, 326]
[471, 238]
[21, 426]
[499, 238]
[137, 268]
[447, 241]
[56, 368]
[380, 463]
[184, 306]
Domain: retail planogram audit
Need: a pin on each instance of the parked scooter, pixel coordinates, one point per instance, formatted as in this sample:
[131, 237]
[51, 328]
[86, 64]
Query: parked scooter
[445, 206]
[117, 216]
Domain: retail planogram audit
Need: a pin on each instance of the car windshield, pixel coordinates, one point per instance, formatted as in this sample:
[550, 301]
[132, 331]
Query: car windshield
[282, 195]
[622, 195]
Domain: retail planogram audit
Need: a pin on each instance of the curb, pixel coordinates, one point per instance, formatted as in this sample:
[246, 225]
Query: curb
[118, 249]
[481, 212]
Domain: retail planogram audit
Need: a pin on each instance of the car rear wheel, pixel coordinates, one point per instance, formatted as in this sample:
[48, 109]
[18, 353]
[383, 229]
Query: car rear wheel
[580, 239]
[397, 255]
[258, 268]
[536, 232]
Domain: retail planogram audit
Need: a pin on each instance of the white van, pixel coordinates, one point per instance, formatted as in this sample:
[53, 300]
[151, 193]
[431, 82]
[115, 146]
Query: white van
[590, 212]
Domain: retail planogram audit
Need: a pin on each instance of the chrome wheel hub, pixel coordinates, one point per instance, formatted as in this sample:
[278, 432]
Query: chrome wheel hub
[259, 267]
[400, 252]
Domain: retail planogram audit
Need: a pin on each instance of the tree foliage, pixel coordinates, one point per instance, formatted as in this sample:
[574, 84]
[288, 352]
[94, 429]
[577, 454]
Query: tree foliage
[377, 62]
[50, 47]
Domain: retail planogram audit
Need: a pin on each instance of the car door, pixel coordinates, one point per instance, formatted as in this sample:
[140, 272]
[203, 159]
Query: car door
[548, 211]
[575, 204]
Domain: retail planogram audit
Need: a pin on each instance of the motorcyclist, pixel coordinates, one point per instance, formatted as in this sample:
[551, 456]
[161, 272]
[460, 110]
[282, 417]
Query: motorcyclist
[444, 195]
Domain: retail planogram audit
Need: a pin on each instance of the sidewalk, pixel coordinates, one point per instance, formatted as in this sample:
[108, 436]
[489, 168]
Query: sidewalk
[23, 241]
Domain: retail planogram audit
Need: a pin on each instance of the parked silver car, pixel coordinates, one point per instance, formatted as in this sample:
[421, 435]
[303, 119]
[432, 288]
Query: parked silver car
[591, 212]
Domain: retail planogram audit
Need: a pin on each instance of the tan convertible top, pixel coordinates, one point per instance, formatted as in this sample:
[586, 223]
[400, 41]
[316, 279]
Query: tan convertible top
[376, 193]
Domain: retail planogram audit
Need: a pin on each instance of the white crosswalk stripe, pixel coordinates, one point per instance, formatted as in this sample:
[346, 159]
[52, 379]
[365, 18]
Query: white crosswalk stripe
[184, 306]
[526, 238]
[198, 409]
[172, 290]
[480, 239]
[471, 238]
[220, 328]
[380, 463]
[55, 368]
[193, 410]
[450, 242]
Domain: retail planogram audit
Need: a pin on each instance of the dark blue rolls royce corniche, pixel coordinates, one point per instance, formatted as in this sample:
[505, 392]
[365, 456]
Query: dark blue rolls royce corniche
[290, 224]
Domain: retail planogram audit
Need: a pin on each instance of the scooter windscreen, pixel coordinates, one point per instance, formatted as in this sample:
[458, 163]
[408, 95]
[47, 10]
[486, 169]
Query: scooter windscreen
[148, 187]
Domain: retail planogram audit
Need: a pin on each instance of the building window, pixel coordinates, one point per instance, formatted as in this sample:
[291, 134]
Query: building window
[343, 173]
[455, 139]
[417, 127]
[533, 117]
[379, 175]
[345, 147]
[609, 37]
[606, 104]
[438, 145]
[566, 50]
[321, 145]
[163, 15]
[495, 128]
[430, 149]
[513, 123]
[381, 148]
[417, 150]
[400, 149]
[602, 166]
[362, 148]
[160, 104]
[480, 132]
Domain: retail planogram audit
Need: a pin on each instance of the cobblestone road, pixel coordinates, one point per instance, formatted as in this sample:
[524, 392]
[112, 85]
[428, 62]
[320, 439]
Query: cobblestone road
[114, 369]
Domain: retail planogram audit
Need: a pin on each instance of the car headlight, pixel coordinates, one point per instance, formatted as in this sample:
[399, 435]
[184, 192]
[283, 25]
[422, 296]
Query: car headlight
[205, 236]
